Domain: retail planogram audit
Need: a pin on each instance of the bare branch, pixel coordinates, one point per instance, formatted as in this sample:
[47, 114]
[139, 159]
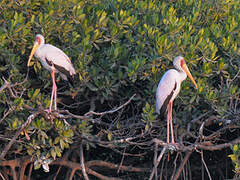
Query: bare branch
[157, 162]
[6, 114]
[114, 166]
[100, 176]
[82, 163]
[210, 178]
[111, 111]
[29, 120]
[4, 86]
[187, 156]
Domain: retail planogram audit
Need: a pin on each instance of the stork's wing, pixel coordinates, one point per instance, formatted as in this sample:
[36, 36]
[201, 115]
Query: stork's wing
[165, 91]
[59, 59]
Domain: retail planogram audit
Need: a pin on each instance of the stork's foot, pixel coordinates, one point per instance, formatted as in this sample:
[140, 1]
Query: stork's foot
[50, 115]
[173, 146]
[48, 111]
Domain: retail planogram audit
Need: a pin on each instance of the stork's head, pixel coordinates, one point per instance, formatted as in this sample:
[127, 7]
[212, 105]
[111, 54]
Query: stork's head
[39, 40]
[180, 64]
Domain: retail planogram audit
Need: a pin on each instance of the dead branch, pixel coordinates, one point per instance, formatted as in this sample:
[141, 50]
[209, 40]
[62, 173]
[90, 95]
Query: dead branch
[175, 164]
[111, 111]
[4, 86]
[100, 176]
[82, 163]
[157, 162]
[29, 120]
[196, 120]
[114, 166]
[123, 155]
[30, 171]
[187, 156]
[7, 113]
[218, 146]
[205, 165]
[2, 176]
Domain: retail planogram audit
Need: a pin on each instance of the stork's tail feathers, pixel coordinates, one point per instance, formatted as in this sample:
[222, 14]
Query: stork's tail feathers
[162, 116]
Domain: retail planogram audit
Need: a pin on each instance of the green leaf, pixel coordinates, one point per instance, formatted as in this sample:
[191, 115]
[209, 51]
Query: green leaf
[36, 92]
[109, 135]
[62, 144]
[53, 153]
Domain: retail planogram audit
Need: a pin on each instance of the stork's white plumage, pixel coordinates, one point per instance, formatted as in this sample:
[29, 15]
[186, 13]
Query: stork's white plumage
[168, 88]
[54, 60]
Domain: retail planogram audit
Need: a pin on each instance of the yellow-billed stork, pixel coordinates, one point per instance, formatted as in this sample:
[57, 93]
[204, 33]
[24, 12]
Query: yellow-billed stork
[54, 60]
[168, 88]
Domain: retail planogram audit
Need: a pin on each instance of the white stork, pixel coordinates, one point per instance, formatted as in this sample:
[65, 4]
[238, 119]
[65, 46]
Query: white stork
[168, 88]
[54, 60]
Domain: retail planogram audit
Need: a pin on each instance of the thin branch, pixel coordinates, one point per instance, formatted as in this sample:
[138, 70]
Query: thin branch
[210, 178]
[56, 174]
[121, 160]
[187, 156]
[218, 146]
[2, 176]
[82, 163]
[7, 113]
[175, 165]
[201, 145]
[114, 166]
[157, 162]
[14, 174]
[155, 158]
[100, 176]
[4, 86]
[196, 120]
[29, 120]
[111, 111]
[72, 174]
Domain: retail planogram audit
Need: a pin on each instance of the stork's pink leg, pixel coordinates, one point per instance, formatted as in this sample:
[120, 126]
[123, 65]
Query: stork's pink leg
[50, 107]
[168, 122]
[171, 122]
[54, 90]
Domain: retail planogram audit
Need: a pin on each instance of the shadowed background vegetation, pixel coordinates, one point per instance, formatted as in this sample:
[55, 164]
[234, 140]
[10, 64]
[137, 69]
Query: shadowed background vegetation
[118, 48]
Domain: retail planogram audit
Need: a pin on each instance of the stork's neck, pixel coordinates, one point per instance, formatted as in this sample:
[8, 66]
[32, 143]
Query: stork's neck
[39, 53]
[182, 75]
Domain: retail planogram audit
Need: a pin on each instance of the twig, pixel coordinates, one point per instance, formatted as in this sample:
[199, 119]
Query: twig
[4, 86]
[114, 166]
[57, 173]
[14, 174]
[175, 165]
[201, 130]
[157, 162]
[29, 120]
[182, 165]
[210, 178]
[111, 111]
[2, 176]
[155, 159]
[100, 176]
[121, 160]
[72, 174]
[82, 163]
[30, 171]
[196, 120]
[218, 146]
[7, 113]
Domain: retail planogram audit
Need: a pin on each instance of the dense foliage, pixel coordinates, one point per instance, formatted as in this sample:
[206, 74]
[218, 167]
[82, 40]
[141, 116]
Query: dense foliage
[118, 48]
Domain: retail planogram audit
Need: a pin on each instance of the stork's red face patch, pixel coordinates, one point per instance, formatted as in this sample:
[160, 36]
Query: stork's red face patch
[182, 62]
[38, 40]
